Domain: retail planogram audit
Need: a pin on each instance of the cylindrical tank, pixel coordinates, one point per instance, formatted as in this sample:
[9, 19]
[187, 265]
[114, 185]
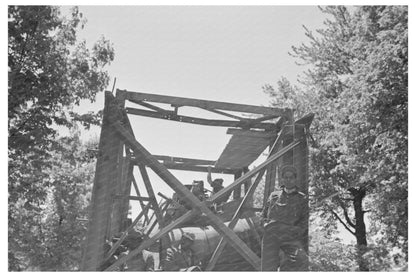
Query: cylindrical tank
[207, 238]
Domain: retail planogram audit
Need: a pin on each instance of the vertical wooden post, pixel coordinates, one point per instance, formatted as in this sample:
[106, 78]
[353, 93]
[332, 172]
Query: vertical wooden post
[102, 192]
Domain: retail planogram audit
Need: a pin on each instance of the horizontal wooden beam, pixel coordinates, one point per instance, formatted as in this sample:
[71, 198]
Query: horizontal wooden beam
[183, 160]
[188, 196]
[190, 167]
[200, 121]
[204, 104]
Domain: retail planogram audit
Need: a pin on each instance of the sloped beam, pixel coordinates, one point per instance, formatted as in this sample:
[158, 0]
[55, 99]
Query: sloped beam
[177, 186]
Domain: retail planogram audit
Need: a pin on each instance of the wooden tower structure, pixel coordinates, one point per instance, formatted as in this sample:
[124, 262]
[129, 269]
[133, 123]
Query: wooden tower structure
[120, 154]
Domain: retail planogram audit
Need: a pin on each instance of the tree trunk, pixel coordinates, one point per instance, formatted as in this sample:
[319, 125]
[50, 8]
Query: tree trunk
[360, 230]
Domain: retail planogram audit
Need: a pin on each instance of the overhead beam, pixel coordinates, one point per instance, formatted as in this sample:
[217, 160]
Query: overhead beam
[204, 104]
[184, 160]
[178, 187]
[200, 121]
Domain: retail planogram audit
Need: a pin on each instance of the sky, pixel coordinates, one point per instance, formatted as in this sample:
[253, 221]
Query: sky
[221, 53]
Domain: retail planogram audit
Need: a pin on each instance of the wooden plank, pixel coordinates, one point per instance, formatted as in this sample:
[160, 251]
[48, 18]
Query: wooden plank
[184, 160]
[147, 243]
[227, 114]
[222, 243]
[249, 174]
[150, 106]
[204, 104]
[177, 186]
[199, 121]
[103, 188]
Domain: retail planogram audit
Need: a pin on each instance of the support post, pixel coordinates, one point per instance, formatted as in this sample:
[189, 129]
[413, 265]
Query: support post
[102, 192]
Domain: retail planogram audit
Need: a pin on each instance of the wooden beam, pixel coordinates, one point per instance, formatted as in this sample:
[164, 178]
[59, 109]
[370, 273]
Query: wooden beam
[177, 186]
[204, 104]
[147, 243]
[227, 114]
[249, 174]
[184, 160]
[200, 121]
[150, 106]
[222, 243]
[102, 192]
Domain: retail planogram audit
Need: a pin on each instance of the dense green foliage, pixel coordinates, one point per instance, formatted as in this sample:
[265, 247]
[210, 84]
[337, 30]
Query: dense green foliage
[49, 73]
[356, 83]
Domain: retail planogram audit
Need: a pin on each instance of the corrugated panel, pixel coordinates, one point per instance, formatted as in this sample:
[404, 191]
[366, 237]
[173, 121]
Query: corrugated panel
[244, 148]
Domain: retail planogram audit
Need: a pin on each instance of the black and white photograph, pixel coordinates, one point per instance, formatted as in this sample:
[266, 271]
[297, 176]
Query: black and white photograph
[198, 137]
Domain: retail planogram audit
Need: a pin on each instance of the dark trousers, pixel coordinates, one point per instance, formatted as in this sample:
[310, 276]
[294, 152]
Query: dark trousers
[277, 237]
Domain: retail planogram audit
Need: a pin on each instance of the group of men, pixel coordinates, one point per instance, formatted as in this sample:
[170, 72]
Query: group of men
[285, 228]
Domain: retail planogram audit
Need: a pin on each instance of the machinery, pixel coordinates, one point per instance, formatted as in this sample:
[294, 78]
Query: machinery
[226, 239]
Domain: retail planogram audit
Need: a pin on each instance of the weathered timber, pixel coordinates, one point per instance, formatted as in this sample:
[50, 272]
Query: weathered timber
[177, 186]
[183, 160]
[200, 121]
[204, 104]
[102, 192]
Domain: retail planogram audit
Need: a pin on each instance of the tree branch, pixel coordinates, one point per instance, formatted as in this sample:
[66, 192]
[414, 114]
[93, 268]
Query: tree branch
[342, 222]
[347, 217]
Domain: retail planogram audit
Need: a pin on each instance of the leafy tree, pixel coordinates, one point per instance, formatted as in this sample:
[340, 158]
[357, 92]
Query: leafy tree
[49, 73]
[356, 84]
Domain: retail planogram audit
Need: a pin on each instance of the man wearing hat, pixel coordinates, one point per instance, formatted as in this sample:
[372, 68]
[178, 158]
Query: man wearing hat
[286, 215]
[216, 187]
[181, 258]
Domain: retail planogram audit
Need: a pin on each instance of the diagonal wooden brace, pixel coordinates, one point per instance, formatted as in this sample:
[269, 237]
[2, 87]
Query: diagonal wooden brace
[177, 186]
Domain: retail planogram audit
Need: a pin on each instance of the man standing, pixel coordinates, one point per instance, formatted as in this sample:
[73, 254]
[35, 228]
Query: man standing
[217, 185]
[286, 225]
[181, 258]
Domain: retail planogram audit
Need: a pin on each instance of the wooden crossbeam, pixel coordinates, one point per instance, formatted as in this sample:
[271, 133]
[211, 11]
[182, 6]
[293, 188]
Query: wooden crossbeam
[177, 186]
[222, 243]
[227, 114]
[249, 174]
[200, 121]
[147, 243]
[204, 104]
[150, 106]
[183, 160]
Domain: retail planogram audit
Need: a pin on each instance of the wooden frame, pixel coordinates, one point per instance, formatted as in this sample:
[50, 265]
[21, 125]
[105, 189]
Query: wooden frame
[117, 131]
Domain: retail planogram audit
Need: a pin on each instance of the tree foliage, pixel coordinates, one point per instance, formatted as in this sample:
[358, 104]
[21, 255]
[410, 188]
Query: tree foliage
[356, 83]
[49, 73]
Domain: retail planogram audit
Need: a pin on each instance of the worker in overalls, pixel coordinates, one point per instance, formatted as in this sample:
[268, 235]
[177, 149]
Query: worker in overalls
[286, 216]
